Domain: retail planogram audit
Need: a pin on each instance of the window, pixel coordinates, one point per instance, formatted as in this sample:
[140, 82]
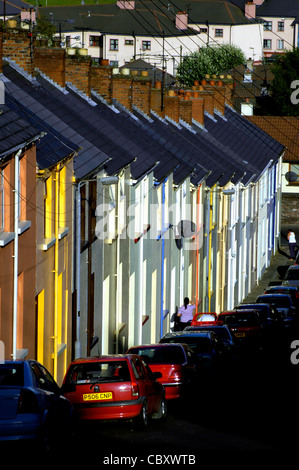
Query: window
[129, 42]
[268, 26]
[267, 44]
[280, 26]
[146, 45]
[219, 33]
[280, 44]
[113, 44]
[114, 63]
[94, 41]
[1, 200]
[48, 197]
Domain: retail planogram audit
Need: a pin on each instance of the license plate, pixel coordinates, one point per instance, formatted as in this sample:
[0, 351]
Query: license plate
[240, 335]
[97, 396]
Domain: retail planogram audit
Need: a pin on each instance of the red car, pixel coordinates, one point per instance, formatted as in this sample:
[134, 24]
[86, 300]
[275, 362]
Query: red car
[204, 319]
[244, 323]
[177, 363]
[114, 387]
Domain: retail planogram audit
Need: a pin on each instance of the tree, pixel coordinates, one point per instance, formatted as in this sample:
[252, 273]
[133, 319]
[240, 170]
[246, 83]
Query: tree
[283, 99]
[209, 60]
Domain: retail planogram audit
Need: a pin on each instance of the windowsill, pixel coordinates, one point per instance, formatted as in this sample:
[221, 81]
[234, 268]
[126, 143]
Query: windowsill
[48, 242]
[63, 231]
[23, 226]
[6, 237]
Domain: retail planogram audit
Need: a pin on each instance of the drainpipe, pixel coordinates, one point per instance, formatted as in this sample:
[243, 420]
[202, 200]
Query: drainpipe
[56, 274]
[16, 256]
[162, 259]
[78, 280]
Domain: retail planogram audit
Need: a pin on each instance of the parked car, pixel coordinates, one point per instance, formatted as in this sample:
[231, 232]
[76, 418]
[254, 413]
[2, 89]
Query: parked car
[269, 316]
[292, 291]
[115, 387]
[206, 345]
[245, 324]
[31, 404]
[177, 363]
[200, 318]
[291, 277]
[283, 304]
[223, 332]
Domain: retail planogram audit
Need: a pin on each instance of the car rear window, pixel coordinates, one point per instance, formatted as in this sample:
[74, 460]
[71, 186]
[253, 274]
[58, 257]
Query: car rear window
[282, 302]
[11, 374]
[241, 319]
[97, 372]
[197, 343]
[293, 274]
[167, 355]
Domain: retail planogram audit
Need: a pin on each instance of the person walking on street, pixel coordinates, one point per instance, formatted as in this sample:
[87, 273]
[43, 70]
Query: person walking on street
[186, 313]
[292, 244]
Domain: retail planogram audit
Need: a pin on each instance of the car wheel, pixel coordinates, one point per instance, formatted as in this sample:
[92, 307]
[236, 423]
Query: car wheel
[141, 421]
[161, 415]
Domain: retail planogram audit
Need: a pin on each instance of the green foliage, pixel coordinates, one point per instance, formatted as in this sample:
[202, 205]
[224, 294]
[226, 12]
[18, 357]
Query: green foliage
[285, 70]
[209, 60]
[44, 28]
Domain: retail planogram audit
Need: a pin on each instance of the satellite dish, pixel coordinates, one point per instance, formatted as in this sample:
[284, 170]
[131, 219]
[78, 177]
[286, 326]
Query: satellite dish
[291, 176]
[186, 228]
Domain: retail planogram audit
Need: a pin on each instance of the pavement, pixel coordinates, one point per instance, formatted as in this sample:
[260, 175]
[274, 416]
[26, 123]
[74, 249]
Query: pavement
[278, 265]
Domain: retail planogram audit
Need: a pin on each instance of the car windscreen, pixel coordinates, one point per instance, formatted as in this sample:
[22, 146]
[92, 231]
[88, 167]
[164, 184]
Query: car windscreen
[161, 355]
[11, 374]
[240, 319]
[97, 372]
[197, 343]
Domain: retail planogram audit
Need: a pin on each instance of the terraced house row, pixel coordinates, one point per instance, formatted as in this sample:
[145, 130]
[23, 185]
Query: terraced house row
[117, 201]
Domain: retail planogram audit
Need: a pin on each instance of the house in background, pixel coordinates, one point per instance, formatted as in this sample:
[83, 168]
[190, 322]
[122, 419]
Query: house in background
[160, 33]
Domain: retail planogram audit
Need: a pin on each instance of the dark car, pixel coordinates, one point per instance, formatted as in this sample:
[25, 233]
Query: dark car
[283, 304]
[292, 291]
[223, 332]
[269, 316]
[206, 345]
[291, 277]
[177, 363]
[114, 387]
[31, 404]
[246, 326]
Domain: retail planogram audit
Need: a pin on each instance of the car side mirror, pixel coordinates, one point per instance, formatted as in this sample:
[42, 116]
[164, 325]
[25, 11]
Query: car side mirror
[67, 388]
[157, 375]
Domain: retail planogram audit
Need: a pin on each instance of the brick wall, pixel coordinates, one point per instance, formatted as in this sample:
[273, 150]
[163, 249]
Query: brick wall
[51, 61]
[101, 81]
[172, 107]
[198, 106]
[290, 209]
[19, 46]
[141, 94]
[156, 101]
[78, 73]
[122, 91]
[218, 93]
[186, 111]
[209, 100]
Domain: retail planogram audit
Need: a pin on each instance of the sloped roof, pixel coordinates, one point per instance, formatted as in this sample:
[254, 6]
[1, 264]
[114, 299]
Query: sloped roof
[285, 130]
[13, 7]
[15, 132]
[284, 9]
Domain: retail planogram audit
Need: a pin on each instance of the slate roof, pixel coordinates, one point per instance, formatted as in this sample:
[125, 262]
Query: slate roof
[149, 18]
[15, 132]
[53, 147]
[230, 148]
[285, 130]
[13, 7]
[284, 9]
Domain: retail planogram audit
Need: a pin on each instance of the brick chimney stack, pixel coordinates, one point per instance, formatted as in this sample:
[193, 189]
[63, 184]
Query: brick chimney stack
[172, 106]
[141, 93]
[101, 80]
[78, 73]
[51, 62]
[19, 46]
[181, 20]
[250, 10]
